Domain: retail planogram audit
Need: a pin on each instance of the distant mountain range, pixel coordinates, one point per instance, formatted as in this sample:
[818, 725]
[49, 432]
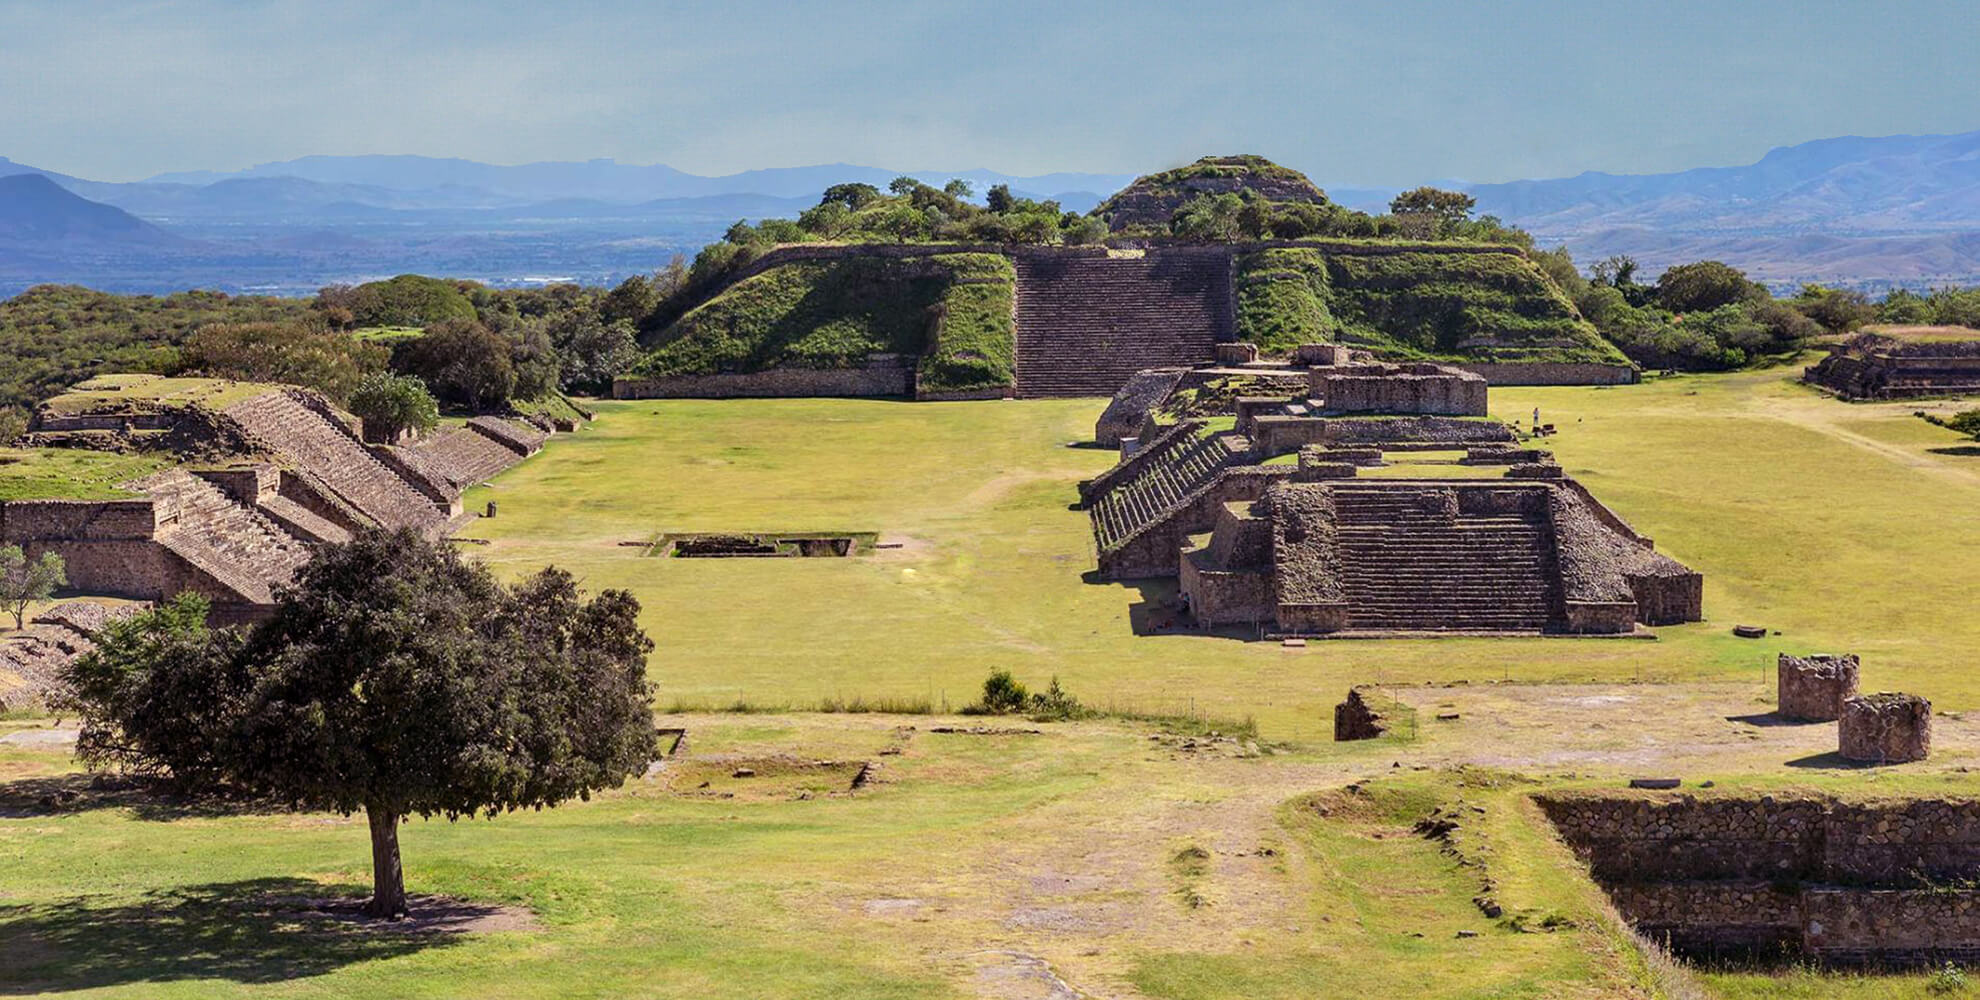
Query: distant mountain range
[1859, 211]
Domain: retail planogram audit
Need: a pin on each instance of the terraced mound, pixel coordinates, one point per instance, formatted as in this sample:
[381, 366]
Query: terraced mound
[1152, 200]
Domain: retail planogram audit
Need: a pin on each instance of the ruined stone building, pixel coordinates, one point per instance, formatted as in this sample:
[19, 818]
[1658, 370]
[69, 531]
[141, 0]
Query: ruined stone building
[1310, 547]
[265, 477]
[1873, 366]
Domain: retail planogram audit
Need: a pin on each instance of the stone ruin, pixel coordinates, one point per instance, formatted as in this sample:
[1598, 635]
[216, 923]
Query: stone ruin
[1813, 688]
[1874, 366]
[32, 659]
[1354, 720]
[1885, 728]
[1785, 877]
[1313, 549]
[267, 477]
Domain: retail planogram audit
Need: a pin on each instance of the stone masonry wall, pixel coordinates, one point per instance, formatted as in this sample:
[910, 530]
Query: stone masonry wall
[1812, 688]
[1550, 373]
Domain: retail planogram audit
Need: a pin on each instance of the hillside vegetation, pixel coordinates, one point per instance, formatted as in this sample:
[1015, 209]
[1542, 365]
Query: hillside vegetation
[953, 310]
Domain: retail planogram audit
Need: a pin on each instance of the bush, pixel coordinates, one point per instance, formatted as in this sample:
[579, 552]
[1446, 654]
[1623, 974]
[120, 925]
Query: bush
[391, 405]
[1703, 286]
[1003, 694]
[292, 353]
[13, 424]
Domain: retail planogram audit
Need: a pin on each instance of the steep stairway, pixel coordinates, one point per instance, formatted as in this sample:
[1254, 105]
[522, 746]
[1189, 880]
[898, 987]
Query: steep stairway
[1185, 463]
[1087, 323]
[1406, 566]
[331, 453]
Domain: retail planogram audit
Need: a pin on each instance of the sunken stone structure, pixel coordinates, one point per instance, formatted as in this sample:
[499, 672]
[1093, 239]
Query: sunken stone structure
[1313, 548]
[278, 470]
[1874, 366]
[1781, 877]
[1885, 728]
[1813, 688]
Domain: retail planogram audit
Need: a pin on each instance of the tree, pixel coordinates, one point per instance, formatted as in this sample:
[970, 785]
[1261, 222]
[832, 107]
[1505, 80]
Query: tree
[293, 353]
[1704, 286]
[408, 300]
[13, 424]
[1000, 199]
[396, 678]
[1209, 217]
[391, 405]
[1433, 208]
[852, 196]
[24, 581]
[462, 362]
[903, 185]
[958, 188]
[1838, 310]
[593, 352]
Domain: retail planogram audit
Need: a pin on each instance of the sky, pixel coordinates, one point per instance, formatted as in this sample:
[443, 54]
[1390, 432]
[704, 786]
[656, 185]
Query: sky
[1373, 93]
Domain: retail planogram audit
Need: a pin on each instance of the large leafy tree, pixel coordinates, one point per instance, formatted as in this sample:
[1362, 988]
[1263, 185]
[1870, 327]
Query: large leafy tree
[395, 678]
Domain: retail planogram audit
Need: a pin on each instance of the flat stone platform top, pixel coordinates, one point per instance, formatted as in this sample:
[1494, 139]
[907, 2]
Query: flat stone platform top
[143, 393]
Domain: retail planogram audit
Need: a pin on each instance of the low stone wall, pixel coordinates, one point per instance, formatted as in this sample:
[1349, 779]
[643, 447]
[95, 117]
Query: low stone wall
[1277, 435]
[874, 380]
[1812, 689]
[1354, 720]
[1551, 373]
[24, 521]
[1414, 389]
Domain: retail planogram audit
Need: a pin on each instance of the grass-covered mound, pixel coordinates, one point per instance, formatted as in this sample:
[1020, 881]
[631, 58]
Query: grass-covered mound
[951, 310]
[1421, 304]
[70, 473]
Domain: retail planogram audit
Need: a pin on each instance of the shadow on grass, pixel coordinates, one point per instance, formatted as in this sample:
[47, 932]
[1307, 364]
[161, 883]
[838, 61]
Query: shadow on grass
[256, 931]
[1962, 450]
[1831, 761]
[148, 799]
[1774, 719]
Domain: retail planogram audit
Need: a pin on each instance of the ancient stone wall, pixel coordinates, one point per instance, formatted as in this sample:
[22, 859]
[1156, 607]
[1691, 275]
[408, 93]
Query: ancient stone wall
[1277, 435]
[1885, 728]
[32, 659]
[1841, 882]
[893, 378]
[1142, 393]
[1551, 373]
[1354, 720]
[1812, 689]
[1400, 389]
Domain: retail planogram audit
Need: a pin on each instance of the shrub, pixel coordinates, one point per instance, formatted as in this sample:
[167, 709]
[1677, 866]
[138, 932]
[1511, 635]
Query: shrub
[1705, 285]
[13, 423]
[1003, 694]
[293, 353]
[462, 362]
[391, 405]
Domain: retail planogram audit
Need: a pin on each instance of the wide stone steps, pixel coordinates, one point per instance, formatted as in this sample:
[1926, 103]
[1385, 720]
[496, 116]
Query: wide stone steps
[228, 540]
[1406, 568]
[1085, 324]
[335, 456]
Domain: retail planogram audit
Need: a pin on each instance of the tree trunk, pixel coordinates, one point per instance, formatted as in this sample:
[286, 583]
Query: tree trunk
[388, 876]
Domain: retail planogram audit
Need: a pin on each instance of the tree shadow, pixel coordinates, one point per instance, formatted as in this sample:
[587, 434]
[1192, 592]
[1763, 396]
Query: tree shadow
[255, 931]
[148, 799]
[1962, 450]
[1831, 761]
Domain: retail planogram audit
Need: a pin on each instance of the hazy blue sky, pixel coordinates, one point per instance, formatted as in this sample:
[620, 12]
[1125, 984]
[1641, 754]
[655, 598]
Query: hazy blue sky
[1375, 92]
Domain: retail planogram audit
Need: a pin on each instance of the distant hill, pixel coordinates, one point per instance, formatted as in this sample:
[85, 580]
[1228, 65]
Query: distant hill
[38, 214]
[607, 180]
[1846, 186]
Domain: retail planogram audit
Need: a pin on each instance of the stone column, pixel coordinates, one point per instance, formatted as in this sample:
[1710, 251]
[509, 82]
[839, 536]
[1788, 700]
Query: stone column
[1885, 728]
[1813, 688]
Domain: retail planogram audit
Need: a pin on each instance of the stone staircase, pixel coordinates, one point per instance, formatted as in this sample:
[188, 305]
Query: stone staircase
[225, 539]
[1087, 323]
[329, 451]
[1408, 566]
[1184, 464]
[462, 458]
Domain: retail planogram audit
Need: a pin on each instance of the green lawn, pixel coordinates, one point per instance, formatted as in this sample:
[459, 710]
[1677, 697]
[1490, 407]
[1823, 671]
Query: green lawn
[1839, 525]
[70, 473]
[1128, 863]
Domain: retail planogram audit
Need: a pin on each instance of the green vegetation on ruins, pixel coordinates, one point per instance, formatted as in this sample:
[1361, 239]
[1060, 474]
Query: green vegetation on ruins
[70, 473]
[953, 310]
